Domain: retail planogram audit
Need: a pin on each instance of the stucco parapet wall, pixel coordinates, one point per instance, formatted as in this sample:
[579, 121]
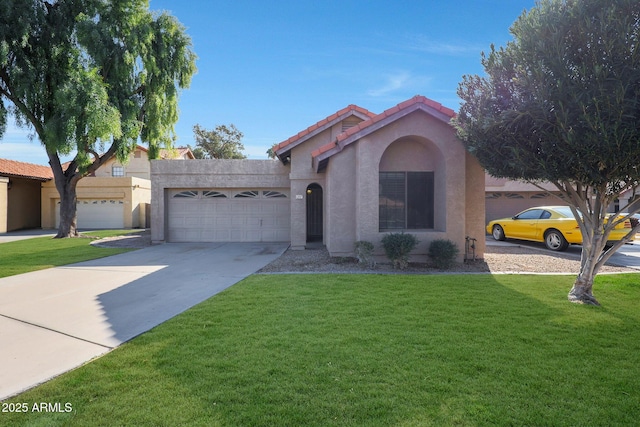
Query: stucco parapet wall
[220, 173]
[502, 184]
[107, 182]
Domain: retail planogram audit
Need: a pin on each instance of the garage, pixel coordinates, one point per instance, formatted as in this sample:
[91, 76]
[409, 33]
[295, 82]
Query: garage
[506, 204]
[228, 215]
[97, 213]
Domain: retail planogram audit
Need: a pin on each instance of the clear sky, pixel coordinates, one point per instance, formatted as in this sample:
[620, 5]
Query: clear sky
[275, 67]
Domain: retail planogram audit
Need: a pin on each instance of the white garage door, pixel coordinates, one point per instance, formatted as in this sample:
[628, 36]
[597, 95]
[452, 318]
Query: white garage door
[222, 215]
[97, 213]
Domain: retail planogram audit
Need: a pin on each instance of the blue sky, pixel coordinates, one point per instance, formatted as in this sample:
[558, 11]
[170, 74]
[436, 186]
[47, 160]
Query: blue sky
[273, 68]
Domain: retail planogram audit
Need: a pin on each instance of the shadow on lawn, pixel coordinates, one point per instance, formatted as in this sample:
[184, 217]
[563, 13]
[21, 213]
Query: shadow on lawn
[395, 350]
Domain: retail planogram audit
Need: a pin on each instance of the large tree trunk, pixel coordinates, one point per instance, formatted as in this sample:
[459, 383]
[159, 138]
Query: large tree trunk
[66, 181]
[582, 291]
[68, 216]
[594, 240]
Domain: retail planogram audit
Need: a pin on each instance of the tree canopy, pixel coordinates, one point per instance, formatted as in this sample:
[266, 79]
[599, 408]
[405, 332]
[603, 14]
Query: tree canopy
[561, 103]
[224, 142]
[94, 77]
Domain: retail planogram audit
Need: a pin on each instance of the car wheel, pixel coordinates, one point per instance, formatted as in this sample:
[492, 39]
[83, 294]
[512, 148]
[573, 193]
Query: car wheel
[554, 240]
[498, 232]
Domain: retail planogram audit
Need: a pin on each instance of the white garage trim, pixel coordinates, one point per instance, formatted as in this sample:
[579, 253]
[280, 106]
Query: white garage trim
[228, 215]
[97, 213]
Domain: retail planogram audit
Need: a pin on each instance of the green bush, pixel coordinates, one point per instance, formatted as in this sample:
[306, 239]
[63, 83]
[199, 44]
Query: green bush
[364, 253]
[443, 253]
[397, 247]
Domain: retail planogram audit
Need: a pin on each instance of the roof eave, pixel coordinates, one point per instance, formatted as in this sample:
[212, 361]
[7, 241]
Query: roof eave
[319, 129]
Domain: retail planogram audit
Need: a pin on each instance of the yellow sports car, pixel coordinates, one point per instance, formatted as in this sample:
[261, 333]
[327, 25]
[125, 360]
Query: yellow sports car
[553, 225]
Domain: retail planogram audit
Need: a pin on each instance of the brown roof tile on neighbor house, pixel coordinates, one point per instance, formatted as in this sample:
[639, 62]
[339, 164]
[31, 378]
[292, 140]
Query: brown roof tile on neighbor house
[418, 99]
[25, 170]
[324, 122]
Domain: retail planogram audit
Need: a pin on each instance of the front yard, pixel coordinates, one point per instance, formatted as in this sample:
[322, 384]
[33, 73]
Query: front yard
[44, 252]
[370, 350]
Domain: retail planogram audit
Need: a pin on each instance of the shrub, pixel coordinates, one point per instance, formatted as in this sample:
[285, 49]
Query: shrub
[397, 247]
[364, 253]
[443, 253]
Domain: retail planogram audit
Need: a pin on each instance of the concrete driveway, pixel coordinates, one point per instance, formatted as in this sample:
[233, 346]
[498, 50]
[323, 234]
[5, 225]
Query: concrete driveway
[54, 320]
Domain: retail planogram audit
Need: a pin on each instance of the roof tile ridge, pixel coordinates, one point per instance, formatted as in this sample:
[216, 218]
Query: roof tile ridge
[320, 123]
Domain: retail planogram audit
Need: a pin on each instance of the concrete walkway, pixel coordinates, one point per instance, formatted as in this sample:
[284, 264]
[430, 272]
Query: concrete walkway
[54, 320]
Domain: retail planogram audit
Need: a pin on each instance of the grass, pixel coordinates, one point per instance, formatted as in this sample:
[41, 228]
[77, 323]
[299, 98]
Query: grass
[374, 350]
[39, 253]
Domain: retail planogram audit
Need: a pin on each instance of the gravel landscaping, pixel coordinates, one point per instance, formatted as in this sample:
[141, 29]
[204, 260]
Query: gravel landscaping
[497, 259]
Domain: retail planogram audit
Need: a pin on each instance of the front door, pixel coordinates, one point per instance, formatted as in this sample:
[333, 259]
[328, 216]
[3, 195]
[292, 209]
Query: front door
[314, 213]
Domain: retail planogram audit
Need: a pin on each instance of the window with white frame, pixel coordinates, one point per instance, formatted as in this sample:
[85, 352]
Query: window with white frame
[117, 170]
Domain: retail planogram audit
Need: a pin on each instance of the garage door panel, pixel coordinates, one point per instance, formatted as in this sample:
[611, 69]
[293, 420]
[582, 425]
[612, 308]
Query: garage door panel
[254, 217]
[97, 213]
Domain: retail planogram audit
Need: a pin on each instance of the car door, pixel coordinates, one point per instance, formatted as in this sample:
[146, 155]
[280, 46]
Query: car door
[525, 224]
[541, 225]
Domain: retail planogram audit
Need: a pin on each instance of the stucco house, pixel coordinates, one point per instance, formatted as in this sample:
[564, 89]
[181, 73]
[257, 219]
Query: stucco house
[116, 196]
[505, 197]
[352, 176]
[20, 194]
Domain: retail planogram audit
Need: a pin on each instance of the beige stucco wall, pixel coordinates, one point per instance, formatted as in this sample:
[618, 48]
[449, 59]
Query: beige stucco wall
[134, 192]
[449, 160]
[23, 201]
[3, 203]
[209, 174]
[137, 166]
[475, 204]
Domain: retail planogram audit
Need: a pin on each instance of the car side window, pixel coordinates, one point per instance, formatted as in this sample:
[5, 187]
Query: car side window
[532, 214]
[545, 215]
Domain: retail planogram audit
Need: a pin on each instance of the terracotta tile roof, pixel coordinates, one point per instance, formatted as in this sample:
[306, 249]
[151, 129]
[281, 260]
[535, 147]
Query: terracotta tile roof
[25, 170]
[323, 124]
[417, 101]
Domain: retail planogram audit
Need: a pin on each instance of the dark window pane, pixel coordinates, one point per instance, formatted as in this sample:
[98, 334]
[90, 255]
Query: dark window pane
[419, 200]
[406, 200]
[392, 200]
[530, 214]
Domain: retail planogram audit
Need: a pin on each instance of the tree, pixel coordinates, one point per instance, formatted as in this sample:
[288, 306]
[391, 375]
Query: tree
[560, 103]
[224, 142]
[91, 76]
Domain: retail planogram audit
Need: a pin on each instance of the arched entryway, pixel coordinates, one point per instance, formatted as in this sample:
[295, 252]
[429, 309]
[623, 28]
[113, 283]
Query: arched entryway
[314, 213]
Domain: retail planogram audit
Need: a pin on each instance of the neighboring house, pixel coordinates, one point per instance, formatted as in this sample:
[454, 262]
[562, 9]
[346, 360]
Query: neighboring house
[115, 196]
[20, 194]
[353, 176]
[505, 198]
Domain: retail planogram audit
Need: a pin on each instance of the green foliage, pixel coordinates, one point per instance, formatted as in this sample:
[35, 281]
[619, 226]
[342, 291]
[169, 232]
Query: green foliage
[443, 253]
[364, 252]
[560, 103]
[224, 142]
[90, 75]
[397, 247]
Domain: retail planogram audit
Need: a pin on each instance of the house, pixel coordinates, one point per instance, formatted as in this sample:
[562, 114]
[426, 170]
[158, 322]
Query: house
[116, 196]
[505, 197]
[20, 194]
[352, 176]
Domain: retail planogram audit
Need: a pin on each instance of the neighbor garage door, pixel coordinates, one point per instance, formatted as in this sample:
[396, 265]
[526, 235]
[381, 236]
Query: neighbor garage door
[97, 213]
[222, 215]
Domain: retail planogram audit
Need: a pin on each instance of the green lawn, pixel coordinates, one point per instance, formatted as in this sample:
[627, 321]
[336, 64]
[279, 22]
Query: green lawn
[371, 350]
[39, 253]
